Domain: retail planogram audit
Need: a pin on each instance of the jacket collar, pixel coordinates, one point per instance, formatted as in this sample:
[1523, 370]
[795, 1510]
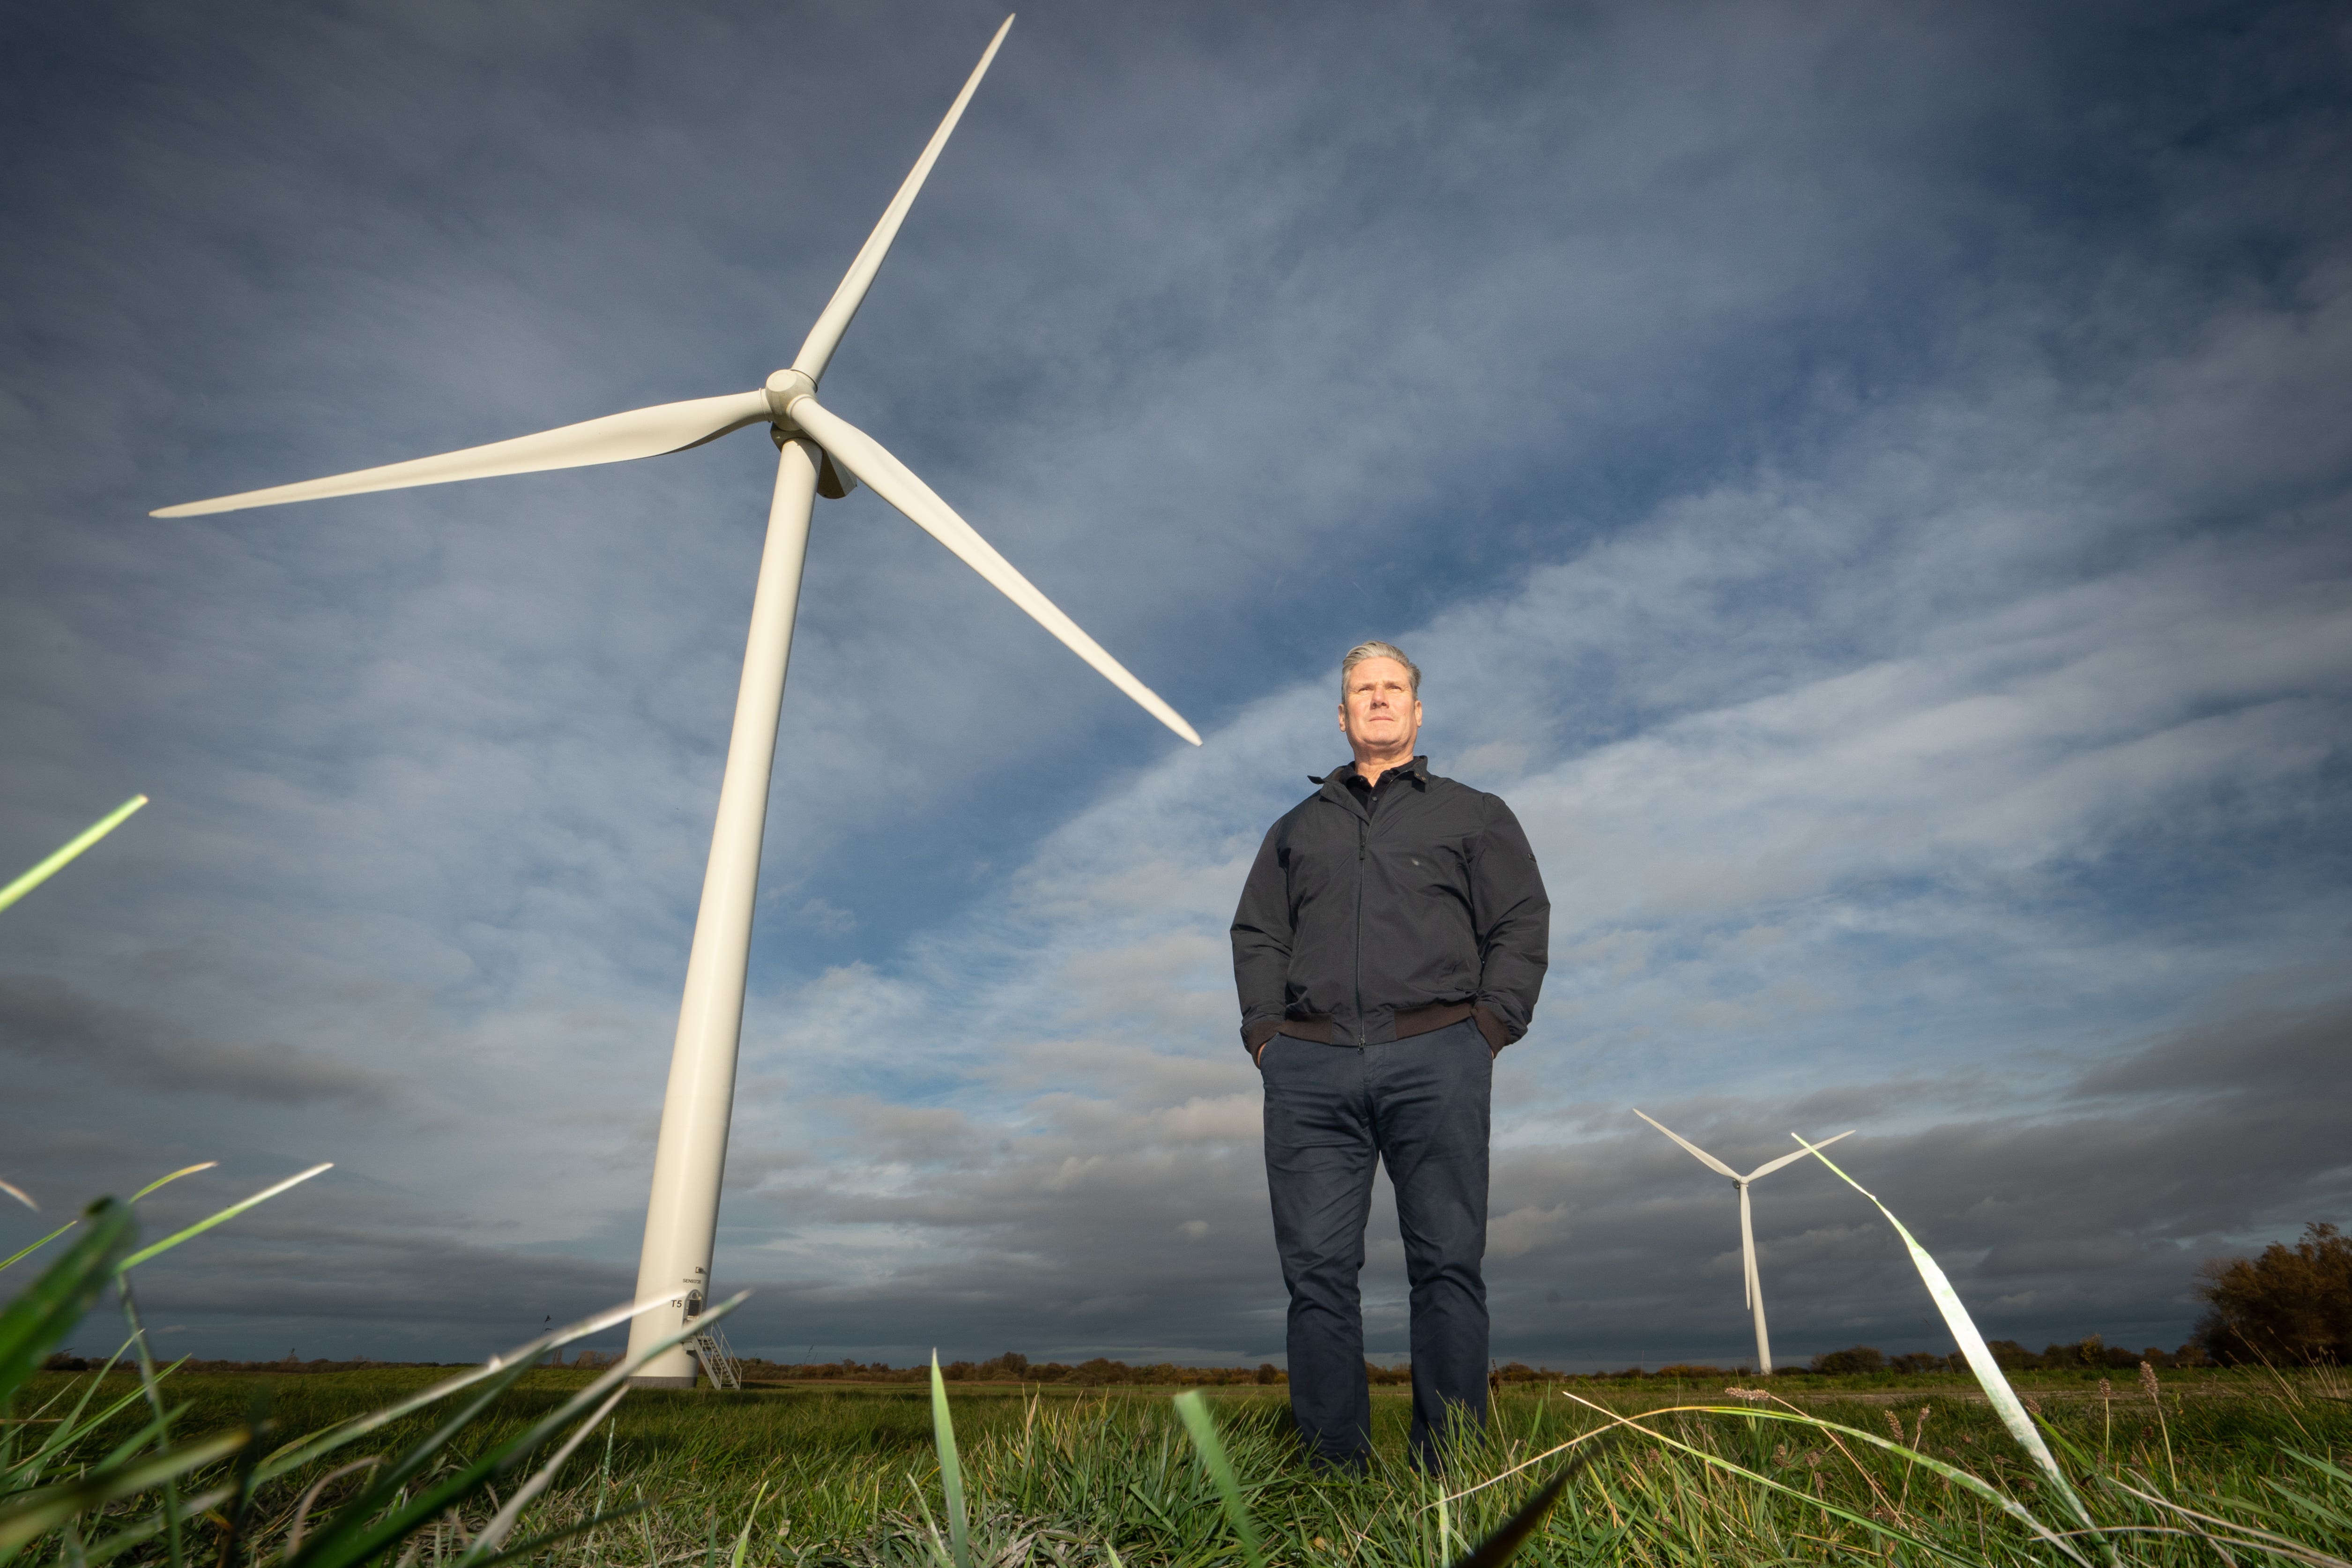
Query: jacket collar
[1417, 770]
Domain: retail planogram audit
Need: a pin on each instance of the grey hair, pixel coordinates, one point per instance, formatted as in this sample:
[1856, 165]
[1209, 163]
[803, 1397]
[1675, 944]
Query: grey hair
[1363, 651]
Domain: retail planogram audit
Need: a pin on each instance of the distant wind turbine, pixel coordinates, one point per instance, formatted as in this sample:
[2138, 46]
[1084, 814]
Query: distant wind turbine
[820, 454]
[1751, 1286]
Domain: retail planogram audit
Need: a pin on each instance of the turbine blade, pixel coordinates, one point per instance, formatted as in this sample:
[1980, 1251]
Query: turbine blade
[1710, 1160]
[616, 438]
[842, 309]
[894, 483]
[1768, 1169]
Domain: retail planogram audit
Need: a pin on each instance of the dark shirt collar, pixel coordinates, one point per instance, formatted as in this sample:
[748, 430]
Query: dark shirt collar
[1417, 770]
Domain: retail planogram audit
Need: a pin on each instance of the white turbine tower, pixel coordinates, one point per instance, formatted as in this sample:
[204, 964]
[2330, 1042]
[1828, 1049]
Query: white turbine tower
[1752, 1287]
[821, 454]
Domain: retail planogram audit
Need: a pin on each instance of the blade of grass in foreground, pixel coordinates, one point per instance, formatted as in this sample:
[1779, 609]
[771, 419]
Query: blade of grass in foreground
[388, 1511]
[105, 1550]
[950, 1469]
[1512, 1533]
[502, 1523]
[160, 1181]
[37, 1320]
[33, 1246]
[2244, 1536]
[1877, 1522]
[231, 1212]
[168, 1180]
[37, 1513]
[71, 1428]
[74, 846]
[1957, 1477]
[539, 1543]
[316, 1445]
[1202, 1428]
[1988, 1370]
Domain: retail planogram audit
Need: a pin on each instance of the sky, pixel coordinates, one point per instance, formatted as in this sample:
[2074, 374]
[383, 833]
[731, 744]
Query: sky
[1868, 486]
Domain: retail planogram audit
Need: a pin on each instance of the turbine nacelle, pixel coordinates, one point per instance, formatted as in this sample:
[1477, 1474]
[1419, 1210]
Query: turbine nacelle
[785, 388]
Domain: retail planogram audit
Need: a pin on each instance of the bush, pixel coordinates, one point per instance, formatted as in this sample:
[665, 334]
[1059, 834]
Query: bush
[2292, 1304]
[2089, 1351]
[1857, 1358]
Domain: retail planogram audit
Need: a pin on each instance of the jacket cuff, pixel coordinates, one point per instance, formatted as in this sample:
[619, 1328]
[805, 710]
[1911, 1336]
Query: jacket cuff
[1256, 1034]
[1498, 1033]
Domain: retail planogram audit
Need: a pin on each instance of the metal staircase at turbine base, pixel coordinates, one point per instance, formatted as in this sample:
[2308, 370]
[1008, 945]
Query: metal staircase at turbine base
[719, 1367]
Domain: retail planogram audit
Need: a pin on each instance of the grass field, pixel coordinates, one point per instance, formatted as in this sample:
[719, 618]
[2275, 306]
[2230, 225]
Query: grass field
[844, 1474]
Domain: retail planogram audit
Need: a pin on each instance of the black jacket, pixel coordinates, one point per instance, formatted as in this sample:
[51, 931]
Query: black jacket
[1363, 923]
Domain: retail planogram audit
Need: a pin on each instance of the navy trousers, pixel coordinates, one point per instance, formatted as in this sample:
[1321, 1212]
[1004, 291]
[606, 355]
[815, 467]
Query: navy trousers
[1423, 1107]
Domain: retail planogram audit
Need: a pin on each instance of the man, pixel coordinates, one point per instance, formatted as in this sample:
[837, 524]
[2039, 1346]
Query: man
[1390, 939]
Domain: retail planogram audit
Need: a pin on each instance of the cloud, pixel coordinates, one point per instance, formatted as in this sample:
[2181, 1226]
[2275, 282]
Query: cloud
[1865, 488]
[2264, 1057]
[2069, 1211]
[46, 1025]
[1892, 887]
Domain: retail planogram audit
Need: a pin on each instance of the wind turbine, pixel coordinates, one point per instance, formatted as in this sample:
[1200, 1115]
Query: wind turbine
[820, 453]
[1751, 1287]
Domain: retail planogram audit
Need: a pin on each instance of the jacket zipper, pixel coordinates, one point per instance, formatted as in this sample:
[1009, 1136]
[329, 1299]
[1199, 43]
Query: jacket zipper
[1362, 829]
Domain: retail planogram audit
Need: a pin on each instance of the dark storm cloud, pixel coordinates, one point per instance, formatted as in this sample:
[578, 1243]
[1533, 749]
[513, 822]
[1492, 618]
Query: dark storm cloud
[2267, 1057]
[2059, 1208]
[1106, 1228]
[347, 1292]
[2053, 1219]
[45, 1024]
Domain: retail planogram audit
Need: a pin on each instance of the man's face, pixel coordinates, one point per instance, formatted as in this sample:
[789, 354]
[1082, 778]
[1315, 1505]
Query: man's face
[1380, 715]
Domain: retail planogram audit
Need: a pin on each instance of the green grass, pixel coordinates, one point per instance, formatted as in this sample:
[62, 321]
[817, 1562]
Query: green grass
[824, 1475]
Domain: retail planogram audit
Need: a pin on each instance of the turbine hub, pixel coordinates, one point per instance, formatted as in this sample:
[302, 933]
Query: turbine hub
[785, 388]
